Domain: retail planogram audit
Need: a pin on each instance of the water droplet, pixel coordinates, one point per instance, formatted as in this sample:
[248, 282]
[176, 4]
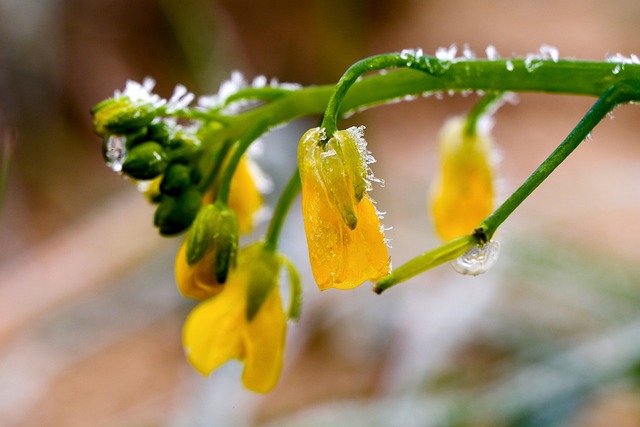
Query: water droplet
[115, 152]
[478, 259]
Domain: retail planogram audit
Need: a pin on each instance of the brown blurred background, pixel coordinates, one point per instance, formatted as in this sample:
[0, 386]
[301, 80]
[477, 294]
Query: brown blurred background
[90, 318]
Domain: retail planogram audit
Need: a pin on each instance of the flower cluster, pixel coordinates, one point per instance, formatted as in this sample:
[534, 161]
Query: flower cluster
[192, 163]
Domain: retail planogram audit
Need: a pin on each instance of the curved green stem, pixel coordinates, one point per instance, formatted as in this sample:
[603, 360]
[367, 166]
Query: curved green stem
[480, 109]
[607, 102]
[242, 145]
[284, 203]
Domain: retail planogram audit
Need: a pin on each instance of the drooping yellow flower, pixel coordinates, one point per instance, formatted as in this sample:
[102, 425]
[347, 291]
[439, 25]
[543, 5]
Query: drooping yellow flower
[463, 191]
[244, 321]
[344, 235]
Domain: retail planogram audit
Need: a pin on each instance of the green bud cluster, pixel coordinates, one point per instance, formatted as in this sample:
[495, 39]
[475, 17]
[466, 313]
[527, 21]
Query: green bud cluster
[153, 149]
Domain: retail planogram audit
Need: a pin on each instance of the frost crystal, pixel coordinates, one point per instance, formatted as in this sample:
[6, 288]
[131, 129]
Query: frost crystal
[492, 53]
[478, 259]
[180, 99]
[549, 52]
[447, 54]
[467, 53]
[140, 93]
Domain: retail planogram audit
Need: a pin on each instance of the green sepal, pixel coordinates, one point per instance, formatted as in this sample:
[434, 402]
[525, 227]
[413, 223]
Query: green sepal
[175, 214]
[295, 302]
[145, 161]
[200, 235]
[354, 163]
[177, 178]
[334, 177]
[226, 237]
[264, 276]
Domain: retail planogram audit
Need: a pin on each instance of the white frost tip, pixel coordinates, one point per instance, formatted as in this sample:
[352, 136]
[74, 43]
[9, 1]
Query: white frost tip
[478, 259]
[447, 54]
[549, 52]
[180, 99]
[140, 93]
[492, 53]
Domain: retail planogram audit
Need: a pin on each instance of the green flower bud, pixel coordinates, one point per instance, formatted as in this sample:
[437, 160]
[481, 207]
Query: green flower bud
[182, 149]
[201, 233]
[176, 180]
[215, 229]
[225, 242]
[119, 115]
[158, 132]
[175, 214]
[145, 161]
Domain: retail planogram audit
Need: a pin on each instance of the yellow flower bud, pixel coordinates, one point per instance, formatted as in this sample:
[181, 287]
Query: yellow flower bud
[344, 235]
[463, 192]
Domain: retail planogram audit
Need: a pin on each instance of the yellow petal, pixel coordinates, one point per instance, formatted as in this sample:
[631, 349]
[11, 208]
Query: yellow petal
[196, 281]
[244, 195]
[264, 339]
[212, 333]
[340, 257]
[463, 192]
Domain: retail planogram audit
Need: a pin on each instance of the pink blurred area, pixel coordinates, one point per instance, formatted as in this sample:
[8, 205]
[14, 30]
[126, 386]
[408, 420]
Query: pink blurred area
[90, 318]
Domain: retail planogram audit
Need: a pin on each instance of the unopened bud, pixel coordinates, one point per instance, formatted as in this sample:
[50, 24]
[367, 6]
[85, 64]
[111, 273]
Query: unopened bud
[145, 161]
[175, 214]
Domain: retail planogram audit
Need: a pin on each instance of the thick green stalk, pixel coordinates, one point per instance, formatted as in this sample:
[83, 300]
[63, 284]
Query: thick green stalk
[507, 75]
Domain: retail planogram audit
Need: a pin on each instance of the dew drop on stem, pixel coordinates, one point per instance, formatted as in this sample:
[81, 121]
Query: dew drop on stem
[478, 259]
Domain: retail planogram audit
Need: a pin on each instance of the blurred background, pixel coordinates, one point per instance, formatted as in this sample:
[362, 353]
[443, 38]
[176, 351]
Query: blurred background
[90, 318]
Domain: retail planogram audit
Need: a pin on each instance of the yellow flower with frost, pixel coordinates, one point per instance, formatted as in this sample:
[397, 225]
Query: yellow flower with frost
[463, 191]
[244, 321]
[344, 235]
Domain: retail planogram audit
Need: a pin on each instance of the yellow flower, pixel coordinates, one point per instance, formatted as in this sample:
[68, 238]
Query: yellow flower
[344, 235]
[196, 281]
[462, 194]
[244, 321]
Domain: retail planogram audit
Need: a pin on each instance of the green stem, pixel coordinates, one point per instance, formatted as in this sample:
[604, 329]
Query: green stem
[284, 203]
[478, 110]
[430, 259]
[242, 145]
[607, 102]
[507, 75]
[566, 76]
